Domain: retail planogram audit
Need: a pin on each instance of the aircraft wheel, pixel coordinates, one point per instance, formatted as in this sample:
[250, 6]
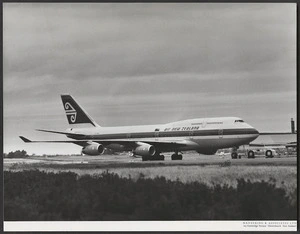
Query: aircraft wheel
[269, 154]
[251, 154]
[176, 156]
[158, 157]
[234, 155]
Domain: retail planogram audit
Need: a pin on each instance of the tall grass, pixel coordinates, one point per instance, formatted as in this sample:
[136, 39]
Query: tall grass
[282, 176]
[285, 176]
[35, 195]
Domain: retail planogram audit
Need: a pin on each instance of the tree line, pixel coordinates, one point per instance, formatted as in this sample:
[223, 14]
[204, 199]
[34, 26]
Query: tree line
[16, 154]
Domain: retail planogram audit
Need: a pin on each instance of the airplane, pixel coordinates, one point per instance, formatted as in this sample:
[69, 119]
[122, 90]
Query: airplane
[204, 135]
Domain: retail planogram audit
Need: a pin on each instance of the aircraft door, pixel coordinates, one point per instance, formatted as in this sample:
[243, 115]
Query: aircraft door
[156, 134]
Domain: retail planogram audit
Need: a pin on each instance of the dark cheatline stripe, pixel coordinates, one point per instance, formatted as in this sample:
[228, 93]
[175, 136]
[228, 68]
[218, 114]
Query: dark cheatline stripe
[212, 132]
[240, 131]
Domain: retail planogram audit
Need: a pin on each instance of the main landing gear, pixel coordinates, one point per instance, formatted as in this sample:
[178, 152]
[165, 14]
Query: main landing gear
[176, 156]
[156, 157]
[160, 157]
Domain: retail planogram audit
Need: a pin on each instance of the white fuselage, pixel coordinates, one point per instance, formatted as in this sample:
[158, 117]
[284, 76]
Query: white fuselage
[202, 135]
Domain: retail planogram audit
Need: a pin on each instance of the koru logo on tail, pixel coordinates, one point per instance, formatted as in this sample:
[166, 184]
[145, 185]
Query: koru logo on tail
[70, 111]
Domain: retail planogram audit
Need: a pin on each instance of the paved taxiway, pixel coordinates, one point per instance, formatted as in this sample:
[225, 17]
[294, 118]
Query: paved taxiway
[116, 161]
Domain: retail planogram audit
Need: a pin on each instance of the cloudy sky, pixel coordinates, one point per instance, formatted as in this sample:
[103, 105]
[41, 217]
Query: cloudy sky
[138, 63]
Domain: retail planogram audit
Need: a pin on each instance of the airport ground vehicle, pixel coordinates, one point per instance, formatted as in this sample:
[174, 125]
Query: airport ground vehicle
[252, 152]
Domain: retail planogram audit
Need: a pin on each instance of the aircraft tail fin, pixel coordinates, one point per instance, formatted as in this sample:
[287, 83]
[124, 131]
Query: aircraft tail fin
[76, 115]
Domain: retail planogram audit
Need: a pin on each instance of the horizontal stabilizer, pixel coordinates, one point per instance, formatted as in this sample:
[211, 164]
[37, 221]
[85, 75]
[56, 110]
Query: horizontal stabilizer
[67, 141]
[78, 142]
[25, 139]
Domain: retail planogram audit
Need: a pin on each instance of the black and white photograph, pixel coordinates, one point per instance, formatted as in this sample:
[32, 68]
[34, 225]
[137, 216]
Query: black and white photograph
[149, 116]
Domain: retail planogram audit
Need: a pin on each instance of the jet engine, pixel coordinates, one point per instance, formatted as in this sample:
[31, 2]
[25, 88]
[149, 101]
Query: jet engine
[207, 151]
[93, 149]
[144, 149]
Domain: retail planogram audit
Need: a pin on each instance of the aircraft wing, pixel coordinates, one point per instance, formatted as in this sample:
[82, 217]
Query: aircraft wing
[276, 133]
[131, 143]
[275, 139]
[64, 133]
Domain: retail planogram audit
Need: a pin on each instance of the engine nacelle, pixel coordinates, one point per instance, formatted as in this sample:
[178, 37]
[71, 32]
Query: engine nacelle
[207, 151]
[144, 150]
[93, 149]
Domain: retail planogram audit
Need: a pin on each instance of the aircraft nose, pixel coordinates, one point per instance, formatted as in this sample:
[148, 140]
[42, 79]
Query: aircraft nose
[255, 132]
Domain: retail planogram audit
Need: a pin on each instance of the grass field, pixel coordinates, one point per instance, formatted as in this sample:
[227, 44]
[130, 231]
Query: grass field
[209, 170]
[33, 195]
[283, 176]
[209, 173]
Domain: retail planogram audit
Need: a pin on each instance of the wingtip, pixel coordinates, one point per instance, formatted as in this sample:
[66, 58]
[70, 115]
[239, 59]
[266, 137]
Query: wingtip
[25, 139]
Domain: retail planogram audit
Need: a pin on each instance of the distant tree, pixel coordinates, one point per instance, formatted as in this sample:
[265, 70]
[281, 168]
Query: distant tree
[17, 154]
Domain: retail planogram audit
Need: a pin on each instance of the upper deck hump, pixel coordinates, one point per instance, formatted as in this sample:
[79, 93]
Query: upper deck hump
[203, 120]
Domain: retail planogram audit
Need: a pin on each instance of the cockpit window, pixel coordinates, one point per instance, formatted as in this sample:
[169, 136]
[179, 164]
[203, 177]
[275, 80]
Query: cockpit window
[239, 120]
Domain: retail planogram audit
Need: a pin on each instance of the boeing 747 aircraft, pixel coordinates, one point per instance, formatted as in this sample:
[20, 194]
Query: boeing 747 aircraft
[204, 135]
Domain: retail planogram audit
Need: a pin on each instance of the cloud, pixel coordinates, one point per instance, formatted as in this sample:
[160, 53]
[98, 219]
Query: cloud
[142, 63]
[111, 40]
